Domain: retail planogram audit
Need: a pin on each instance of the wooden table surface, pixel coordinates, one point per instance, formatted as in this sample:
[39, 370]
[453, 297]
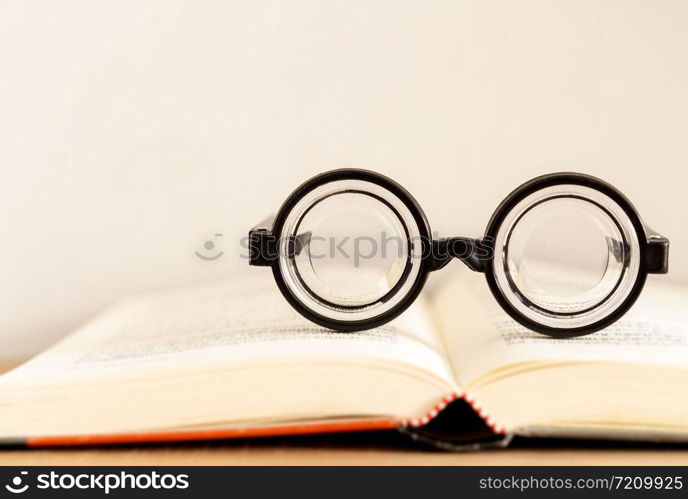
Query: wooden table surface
[353, 449]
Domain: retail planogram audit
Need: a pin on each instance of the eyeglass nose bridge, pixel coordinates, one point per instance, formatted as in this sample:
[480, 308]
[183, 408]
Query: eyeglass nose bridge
[475, 253]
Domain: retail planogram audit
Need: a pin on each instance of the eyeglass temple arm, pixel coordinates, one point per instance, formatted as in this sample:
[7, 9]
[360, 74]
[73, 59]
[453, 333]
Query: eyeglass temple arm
[657, 255]
[473, 252]
[261, 243]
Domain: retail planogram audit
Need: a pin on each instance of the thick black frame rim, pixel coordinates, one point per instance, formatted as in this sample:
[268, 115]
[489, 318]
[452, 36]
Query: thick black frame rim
[542, 182]
[419, 218]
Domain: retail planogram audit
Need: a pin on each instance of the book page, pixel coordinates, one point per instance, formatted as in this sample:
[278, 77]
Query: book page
[237, 323]
[227, 354]
[481, 338]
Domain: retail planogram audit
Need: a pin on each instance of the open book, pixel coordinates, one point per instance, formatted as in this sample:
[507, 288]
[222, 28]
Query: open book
[232, 359]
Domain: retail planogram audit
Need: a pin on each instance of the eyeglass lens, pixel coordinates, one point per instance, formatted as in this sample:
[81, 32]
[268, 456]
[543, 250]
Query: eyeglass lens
[565, 255]
[353, 249]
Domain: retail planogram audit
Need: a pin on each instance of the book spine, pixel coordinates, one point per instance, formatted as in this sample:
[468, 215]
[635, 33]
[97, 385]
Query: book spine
[457, 423]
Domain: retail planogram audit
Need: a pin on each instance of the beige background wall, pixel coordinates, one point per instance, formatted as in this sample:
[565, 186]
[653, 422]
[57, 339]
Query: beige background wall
[132, 131]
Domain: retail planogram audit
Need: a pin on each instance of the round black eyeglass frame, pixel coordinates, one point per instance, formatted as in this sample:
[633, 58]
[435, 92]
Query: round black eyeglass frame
[477, 254]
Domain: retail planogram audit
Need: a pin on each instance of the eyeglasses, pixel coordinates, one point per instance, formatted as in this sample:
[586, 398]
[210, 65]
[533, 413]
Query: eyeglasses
[564, 254]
